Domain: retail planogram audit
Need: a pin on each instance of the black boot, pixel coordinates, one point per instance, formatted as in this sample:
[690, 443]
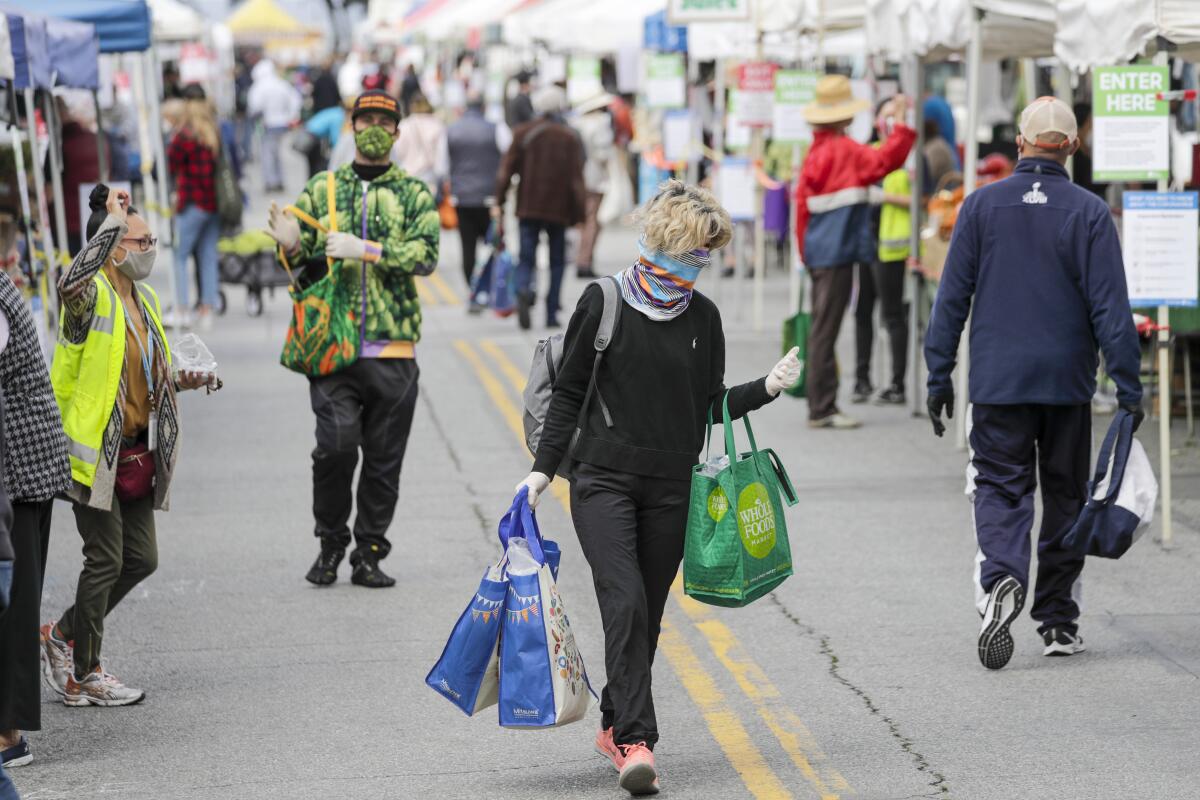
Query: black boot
[367, 573]
[324, 569]
[525, 301]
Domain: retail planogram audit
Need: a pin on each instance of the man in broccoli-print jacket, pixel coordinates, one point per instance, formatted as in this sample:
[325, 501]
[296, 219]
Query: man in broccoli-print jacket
[386, 232]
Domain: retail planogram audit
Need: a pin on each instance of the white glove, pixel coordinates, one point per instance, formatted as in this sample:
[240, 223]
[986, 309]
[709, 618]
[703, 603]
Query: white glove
[341, 245]
[537, 483]
[283, 228]
[785, 373]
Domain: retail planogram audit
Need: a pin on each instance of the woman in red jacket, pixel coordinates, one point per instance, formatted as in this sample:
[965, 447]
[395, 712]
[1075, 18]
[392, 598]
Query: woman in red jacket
[833, 225]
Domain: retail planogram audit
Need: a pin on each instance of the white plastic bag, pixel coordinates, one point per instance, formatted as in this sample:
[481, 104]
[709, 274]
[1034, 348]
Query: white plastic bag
[714, 466]
[189, 354]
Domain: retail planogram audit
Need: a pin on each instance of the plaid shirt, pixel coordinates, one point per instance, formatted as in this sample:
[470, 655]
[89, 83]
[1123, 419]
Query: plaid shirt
[194, 168]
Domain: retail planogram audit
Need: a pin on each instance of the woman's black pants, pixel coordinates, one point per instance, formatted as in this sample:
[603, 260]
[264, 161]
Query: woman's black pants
[20, 647]
[631, 529]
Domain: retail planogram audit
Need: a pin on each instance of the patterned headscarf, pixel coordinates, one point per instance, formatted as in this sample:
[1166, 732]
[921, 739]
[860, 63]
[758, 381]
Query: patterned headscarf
[660, 285]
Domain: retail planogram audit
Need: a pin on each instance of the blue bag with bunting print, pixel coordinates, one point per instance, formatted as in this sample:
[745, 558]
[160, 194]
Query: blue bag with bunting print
[467, 674]
[543, 682]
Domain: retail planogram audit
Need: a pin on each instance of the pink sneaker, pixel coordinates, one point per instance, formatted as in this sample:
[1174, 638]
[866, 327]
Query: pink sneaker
[638, 775]
[607, 748]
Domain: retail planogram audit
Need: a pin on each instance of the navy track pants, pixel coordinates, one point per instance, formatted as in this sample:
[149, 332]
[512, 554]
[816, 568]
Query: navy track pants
[1011, 447]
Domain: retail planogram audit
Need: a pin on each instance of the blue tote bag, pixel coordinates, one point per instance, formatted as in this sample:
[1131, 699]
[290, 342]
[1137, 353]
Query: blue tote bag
[1121, 495]
[467, 674]
[543, 682]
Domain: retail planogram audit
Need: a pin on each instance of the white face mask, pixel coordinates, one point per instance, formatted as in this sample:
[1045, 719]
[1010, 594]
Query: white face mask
[137, 266]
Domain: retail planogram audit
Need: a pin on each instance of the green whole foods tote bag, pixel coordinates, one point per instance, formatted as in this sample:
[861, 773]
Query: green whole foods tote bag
[736, 548]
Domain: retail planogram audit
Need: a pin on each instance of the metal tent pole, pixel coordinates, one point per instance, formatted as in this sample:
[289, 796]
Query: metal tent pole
[154, 96]
[915, 281]
[39, 185]
[1164, 391]
[53, 125]
[974, 59]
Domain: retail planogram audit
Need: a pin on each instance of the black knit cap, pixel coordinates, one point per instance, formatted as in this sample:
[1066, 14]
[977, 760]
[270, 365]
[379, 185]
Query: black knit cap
[376, 100]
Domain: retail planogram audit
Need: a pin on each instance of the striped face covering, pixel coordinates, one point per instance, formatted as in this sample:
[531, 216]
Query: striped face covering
[659, 285]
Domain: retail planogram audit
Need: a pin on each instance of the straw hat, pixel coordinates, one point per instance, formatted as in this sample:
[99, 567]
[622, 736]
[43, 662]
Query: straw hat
[834, 102]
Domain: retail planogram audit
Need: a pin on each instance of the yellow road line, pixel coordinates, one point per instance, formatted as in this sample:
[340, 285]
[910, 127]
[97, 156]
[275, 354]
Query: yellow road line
[722, 723]
[793, 735]
[509, 369]
[448, 295]
[508, 410]
[424, 293]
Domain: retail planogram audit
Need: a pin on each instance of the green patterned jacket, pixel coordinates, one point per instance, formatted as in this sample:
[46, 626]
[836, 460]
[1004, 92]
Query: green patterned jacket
[400, 216]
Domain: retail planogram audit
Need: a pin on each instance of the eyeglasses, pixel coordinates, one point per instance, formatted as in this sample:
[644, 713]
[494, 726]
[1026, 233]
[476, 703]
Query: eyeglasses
[144, 243]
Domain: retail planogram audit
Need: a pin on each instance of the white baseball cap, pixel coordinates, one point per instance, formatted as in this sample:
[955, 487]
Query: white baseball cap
[1048, 115]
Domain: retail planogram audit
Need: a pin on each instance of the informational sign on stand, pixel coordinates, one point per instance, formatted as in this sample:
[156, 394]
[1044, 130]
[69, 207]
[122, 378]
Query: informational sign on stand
[665, 85]
[794, 89]
[1160, 246]
[682, 12]
[677, 136]
[583, 79]
[756, 93]
[1130, 126]
[735, 188]
[737, 135]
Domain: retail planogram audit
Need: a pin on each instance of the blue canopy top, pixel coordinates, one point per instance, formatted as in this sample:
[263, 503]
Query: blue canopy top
[30, 51]
[122, 25]
[74, 54]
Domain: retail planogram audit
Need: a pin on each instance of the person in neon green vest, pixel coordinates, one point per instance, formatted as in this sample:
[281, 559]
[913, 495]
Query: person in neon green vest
[115, 387]
[895, 230]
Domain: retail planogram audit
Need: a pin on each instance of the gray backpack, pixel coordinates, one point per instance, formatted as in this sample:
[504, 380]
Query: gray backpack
[543, 374]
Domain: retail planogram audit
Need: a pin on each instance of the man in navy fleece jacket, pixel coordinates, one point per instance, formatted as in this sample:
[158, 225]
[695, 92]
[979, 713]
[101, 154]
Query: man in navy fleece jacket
[1036, 262]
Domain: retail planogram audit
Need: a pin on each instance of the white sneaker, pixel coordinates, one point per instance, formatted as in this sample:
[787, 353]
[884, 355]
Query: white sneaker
[1004, 603]
[176, 319]
[1061, 642]
[57, 659]
[837, 421]
[99, 688]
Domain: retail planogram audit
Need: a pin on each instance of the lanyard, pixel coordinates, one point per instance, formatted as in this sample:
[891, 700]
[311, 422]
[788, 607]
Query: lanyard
[147, 358]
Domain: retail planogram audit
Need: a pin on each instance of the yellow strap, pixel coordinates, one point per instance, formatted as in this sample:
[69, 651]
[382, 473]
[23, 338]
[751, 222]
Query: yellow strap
[309, 219]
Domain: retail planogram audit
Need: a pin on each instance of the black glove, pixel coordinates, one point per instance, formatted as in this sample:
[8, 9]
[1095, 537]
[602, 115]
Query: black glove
[1138, 414]
[935, 404]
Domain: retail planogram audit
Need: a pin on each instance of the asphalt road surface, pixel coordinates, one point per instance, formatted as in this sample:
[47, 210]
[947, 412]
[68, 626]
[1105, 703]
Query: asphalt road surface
[858, 678]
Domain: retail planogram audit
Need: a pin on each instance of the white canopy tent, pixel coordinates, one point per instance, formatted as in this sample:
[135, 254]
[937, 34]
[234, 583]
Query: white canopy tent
[581, 25]
[175, 22]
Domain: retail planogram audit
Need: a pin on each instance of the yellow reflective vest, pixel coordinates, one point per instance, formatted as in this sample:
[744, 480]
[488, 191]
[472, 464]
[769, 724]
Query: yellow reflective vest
[895, 226]
[87, 376]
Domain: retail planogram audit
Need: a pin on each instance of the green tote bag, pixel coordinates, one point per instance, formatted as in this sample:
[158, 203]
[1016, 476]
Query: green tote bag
[795, 334]
[736, 548]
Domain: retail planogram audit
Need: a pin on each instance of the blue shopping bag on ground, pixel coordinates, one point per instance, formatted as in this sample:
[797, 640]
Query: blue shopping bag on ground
[502, 297]
[1121, 495]
[543, 682]
[467, 674]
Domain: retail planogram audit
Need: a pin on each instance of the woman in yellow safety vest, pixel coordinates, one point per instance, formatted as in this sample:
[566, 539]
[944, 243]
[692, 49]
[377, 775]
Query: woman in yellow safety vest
[895, 228]
[114, 385]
